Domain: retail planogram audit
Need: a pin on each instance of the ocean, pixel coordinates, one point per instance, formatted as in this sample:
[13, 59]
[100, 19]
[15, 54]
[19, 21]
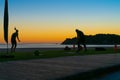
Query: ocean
[35, 45]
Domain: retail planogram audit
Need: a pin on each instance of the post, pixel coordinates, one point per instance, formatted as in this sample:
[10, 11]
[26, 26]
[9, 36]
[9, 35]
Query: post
[7, 48]
[115, 48]
[73, 46]
[6, 23]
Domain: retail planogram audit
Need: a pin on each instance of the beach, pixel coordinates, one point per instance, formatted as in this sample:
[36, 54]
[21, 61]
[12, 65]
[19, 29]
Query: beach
[32, 47]
[41, 49]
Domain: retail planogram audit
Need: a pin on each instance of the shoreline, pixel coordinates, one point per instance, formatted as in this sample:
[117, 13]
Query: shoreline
[43, 49]
[54, 45]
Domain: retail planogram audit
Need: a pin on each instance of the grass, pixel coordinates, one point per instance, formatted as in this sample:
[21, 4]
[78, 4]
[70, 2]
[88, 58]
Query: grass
[53, 54]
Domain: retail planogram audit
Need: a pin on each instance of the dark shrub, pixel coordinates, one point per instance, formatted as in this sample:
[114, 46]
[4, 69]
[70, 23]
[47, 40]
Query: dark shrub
[36, 53]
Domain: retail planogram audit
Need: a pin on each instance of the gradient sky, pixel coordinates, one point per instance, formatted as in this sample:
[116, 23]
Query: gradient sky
[52, 21]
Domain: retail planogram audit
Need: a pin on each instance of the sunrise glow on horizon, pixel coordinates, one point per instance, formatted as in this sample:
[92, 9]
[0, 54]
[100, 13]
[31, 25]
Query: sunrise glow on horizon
[52, 21]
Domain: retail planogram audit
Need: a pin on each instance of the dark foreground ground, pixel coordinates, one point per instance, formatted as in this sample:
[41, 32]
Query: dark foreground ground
[63, 68]
[29, 49]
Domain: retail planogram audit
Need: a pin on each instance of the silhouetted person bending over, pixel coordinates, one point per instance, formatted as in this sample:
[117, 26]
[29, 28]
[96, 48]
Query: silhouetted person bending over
[80, 40]
[13, 40]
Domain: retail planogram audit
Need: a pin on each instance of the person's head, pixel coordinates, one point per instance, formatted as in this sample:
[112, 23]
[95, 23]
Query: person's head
[76, 30]
[16, 30]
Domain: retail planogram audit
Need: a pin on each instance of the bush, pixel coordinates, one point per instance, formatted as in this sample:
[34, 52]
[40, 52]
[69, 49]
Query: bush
[36, 53]
[67, 48]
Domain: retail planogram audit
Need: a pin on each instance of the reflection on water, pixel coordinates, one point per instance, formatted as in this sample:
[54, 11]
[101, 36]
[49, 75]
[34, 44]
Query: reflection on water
[50, 46]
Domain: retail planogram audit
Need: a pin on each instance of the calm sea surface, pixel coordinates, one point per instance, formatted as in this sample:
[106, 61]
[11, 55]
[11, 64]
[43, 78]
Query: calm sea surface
[50, 46]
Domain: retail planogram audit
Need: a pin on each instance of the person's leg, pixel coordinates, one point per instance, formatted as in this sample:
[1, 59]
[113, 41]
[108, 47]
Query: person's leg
[12, 47]
[85, 48]
[15, 46]
[78, 43]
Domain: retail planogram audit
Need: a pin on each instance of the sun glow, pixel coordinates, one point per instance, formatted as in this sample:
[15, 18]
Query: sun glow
[49, 22]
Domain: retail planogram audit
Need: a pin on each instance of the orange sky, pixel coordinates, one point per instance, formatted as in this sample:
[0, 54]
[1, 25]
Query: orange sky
[49, 22]
[55, 34]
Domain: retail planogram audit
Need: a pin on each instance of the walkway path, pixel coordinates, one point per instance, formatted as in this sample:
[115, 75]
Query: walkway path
[50, 69]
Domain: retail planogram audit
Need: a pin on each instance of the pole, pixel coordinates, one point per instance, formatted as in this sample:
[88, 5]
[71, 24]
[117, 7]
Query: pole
[6, 23]
[7, 48]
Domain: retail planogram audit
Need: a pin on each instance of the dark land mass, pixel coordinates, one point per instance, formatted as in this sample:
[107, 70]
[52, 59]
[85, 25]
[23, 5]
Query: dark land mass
[99, 39]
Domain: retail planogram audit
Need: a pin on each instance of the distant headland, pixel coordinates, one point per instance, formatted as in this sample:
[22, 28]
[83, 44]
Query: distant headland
[98, 39]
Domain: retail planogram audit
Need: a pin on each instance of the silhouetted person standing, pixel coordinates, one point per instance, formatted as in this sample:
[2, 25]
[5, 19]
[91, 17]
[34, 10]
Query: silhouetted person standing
[80, 39]
[13, 40]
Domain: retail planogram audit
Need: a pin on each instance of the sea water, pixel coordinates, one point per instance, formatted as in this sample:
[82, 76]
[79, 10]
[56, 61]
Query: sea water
[36, 45]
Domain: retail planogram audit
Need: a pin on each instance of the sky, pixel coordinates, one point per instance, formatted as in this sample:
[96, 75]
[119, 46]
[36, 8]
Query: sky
[52, 21]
